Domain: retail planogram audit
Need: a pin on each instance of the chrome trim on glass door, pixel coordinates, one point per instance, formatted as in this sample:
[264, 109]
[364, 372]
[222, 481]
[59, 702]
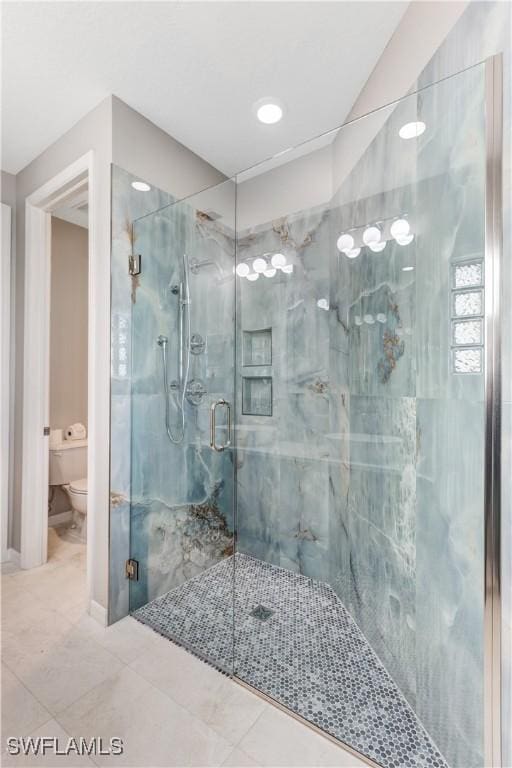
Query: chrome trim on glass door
[213, 425]
[492, 510]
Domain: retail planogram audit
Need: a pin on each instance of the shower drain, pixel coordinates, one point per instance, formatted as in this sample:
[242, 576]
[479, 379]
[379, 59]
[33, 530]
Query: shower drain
[262, 613]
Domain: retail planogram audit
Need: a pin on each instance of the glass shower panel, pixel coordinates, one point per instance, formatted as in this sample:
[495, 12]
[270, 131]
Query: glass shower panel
[360, 429]
[182, 515]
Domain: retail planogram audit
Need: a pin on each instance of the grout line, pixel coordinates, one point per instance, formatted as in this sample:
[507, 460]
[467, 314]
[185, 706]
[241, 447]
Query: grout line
[20, 681]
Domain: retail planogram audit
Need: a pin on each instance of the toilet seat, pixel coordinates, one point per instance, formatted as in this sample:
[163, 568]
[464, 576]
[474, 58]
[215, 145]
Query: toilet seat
[78, 486]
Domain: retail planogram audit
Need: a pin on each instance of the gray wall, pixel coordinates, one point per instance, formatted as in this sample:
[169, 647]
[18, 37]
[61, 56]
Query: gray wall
[144, 150]
[68, 324]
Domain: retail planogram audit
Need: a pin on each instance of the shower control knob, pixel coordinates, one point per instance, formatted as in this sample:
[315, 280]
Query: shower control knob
[197, 344]
[196, 390]
[174, 386]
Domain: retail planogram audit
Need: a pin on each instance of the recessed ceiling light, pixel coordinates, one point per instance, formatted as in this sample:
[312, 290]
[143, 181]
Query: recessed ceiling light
[268, 111]
[141, 186]
[412, 130]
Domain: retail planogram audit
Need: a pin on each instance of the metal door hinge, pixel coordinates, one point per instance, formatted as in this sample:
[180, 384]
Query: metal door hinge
[46, 431]
[134, 264]
[131, 570]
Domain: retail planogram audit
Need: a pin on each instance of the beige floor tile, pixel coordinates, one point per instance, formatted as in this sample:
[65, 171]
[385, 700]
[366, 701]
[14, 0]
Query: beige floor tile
[75, 612]
[21, 712]
[53, 730]
[127, 639]
[61, 547]
[155, 730]
[65, 671]
[11, 587]
[53, 587]
[218, 701]
[37, 575]
[31, 631]
[276, 739]
[9, 567]
[16, 599]
[238, 759]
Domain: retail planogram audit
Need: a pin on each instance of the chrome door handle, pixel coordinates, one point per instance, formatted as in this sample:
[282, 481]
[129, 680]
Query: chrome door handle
[213, 426]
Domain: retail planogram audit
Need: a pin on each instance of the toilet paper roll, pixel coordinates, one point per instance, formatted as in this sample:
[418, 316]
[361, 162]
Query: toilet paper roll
[76, 432]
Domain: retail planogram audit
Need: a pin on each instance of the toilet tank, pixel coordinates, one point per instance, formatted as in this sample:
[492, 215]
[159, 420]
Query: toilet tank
[68, 461]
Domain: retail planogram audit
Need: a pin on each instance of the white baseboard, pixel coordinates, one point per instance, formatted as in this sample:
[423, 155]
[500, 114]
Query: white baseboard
[13, 556]
[98, 613]
[60, 518]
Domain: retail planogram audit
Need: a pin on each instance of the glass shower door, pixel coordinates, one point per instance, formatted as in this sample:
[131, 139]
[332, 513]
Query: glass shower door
[361, 433]
[350, 365]
[182, 514]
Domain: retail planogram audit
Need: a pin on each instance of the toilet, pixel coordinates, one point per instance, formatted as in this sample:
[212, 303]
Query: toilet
[68, 468]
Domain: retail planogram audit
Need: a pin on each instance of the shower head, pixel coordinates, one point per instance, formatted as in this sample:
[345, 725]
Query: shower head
[196, 266]
[162, 341]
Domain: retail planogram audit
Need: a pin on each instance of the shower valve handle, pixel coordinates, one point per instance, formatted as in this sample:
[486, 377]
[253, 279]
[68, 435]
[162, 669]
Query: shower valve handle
[213, 426]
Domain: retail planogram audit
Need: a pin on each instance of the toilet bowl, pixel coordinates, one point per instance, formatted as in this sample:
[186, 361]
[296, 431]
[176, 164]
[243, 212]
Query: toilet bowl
[68, 460]
[77, 493]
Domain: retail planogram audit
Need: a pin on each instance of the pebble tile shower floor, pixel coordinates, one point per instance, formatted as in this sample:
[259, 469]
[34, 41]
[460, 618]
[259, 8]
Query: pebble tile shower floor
[308, 654]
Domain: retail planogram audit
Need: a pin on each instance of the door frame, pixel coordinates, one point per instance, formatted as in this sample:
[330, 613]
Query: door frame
[60, 189]
[493, 407]
[5, 346]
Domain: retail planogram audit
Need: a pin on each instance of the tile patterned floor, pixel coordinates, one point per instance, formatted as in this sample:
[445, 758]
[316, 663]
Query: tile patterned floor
[64, 675]
[308, 654]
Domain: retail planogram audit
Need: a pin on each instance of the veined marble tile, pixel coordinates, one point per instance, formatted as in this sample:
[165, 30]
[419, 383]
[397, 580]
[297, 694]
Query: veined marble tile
[449, 580]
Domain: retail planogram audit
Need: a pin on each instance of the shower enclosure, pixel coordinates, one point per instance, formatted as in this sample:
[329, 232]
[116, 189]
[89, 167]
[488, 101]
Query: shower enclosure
[312, 366]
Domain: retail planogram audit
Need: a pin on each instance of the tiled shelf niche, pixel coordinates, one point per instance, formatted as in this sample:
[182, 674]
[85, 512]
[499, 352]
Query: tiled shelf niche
[257, 395]
[257, 389]
[467, 309]
[257, 347]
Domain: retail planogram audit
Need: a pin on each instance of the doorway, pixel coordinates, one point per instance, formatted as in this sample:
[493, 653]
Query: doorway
[67, 497]
[72, 188]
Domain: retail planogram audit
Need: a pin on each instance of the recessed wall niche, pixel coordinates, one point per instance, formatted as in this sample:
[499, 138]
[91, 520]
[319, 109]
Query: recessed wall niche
[257, 396]
[257, 347]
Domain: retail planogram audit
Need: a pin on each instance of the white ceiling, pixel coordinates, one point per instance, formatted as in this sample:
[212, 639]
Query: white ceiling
[193, 68]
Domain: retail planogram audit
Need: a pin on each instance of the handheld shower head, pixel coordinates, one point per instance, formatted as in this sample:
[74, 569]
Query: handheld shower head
[162, 341]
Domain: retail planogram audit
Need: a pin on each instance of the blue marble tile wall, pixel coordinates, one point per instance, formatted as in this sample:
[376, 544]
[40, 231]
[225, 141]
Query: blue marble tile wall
[182, 518]
[282, 459]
